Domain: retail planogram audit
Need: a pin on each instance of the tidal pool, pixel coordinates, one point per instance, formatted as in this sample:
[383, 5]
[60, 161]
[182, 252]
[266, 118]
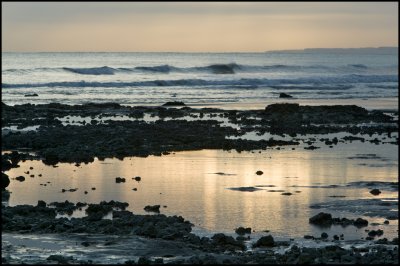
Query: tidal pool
[196, 185]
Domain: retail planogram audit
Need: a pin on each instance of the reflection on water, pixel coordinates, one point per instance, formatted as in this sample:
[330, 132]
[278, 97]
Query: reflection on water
[187, 184]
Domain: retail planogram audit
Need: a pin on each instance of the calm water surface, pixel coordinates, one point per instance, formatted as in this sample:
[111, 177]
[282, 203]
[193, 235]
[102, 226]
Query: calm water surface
[187, 184]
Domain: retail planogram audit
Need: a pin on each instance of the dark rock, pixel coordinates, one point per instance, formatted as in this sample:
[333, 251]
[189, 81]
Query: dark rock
[265, 241]
[241, 230]
[321, 219]
[60, 259]
[359, 222]
[386, 222]
[336, 237]
[5, 181]
[312, 147]
[246, 189]
[259, 172]
[308, 237]
[287, 193]
[138, 178]
[375, 191]
[20, 178]
[144, 261]
[226, 242]
[31, 95]
[284, 95]
[324, 235]
[176, 103]
[119, 180]
[41, 203]
[154, 208]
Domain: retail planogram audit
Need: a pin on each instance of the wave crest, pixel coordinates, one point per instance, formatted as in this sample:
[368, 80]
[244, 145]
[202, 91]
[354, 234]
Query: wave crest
[105, 70]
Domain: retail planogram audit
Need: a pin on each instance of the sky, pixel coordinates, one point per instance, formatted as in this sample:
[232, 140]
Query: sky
[196, 26]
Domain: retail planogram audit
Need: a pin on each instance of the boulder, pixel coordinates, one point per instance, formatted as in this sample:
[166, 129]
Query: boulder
[321, 218]
[259, 172]
[265, 241]
[241, 230]
[359, 222]
[5, 181]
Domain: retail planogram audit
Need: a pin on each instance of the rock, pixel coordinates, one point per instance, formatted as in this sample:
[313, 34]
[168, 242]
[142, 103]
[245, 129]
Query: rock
[20, 178]
[259, 172]
[336, 237]
[308, 237]
[312, 147]
[375, 192]
[134, 189]
[93, 188]
[227, 242]
[175, 103]
[374, 233]
[324, 235]
[60, 259]
[359, 222]
[245, 189]
[321, 219]
[5, 181]
[265, 241]
[138, 178]
[41, 203]
[284, 95]
[241, 230]
[31, 95]
[144, 261]
[287, 193]
[119, 180]
[154, 208]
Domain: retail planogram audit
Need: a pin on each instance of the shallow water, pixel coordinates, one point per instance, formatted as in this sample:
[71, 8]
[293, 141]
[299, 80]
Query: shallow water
[187, 183]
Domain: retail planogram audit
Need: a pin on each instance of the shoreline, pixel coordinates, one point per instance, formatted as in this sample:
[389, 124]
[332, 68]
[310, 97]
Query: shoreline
[79, 134]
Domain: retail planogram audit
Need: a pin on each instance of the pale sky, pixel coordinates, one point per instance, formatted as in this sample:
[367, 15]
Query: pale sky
[196, 26]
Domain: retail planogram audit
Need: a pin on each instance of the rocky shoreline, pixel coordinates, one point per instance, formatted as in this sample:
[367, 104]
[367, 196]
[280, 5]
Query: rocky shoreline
[220, 248]
[112, 130]
[106, 137]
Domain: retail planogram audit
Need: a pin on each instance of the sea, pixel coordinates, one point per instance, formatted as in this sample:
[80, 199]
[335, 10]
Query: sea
[199, 78]
[201, 185]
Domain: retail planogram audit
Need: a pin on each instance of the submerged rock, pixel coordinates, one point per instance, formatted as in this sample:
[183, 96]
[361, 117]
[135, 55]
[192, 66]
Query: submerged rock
[241, 230]
[20, 178]
[375, 192]
[119, 180]
[154, 208]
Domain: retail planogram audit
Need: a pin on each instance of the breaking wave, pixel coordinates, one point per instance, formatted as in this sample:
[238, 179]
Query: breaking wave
[314, 81]
[231, 68]
[105, 70]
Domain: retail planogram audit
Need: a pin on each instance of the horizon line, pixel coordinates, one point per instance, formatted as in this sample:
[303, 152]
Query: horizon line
[266, 51]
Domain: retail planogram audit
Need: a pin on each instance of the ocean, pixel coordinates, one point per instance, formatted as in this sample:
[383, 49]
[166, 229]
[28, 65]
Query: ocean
[199, 78]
